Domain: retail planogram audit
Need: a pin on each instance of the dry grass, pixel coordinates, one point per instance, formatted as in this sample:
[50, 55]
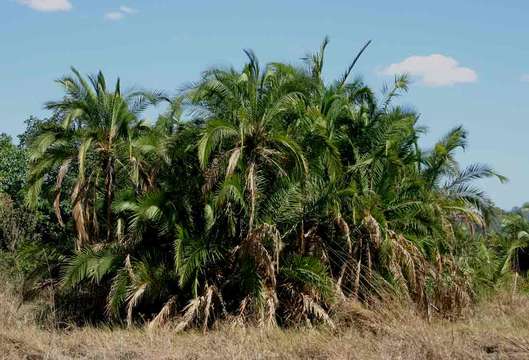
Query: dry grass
[498, 330]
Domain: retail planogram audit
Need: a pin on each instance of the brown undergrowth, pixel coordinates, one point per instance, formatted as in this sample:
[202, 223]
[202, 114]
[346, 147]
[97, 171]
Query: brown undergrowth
[497, 329]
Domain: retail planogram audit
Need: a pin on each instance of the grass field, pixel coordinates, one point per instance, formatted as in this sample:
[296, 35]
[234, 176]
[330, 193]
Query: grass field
[497, 329]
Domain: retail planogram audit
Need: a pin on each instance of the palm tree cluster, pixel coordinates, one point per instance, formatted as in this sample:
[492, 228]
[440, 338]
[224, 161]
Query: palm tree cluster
[263, 195]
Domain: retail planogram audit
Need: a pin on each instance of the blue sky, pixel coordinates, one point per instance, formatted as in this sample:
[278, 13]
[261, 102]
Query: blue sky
[469, 58]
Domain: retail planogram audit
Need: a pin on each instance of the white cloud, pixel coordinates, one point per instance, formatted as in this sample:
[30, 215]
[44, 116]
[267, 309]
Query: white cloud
[47, 5]
[127, 10]
[120, 14]
[114, 15]
[433, 70]
[524, 78]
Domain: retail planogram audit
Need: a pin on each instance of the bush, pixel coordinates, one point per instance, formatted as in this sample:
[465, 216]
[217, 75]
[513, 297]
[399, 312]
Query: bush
[17, 225]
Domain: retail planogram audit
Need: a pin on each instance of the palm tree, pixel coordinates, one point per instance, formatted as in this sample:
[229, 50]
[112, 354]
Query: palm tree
[244, 133]
[515, 240]
[246, 141]
[97, 128]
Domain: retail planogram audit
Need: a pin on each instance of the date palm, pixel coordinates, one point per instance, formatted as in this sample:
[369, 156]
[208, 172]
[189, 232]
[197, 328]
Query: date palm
[246, 147]
[244, 133]
[98, 125]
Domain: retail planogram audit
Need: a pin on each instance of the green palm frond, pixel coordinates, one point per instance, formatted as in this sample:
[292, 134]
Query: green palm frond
[309, 272]
[89, 265]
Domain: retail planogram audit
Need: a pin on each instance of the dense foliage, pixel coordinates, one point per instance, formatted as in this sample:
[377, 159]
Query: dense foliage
[12, 167]
[263, 194]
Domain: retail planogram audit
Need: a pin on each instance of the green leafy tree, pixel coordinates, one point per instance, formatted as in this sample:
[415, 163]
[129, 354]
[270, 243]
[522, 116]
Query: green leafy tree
[13, 168]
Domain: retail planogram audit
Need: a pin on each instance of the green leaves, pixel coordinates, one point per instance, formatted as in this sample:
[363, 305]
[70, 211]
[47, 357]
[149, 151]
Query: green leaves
[192, 258]
[90, 265]
[13, 168]
[308, 272]
[216, 132]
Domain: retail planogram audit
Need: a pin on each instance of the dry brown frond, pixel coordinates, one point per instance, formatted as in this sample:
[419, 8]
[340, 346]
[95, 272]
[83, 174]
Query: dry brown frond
[134, 300]
[163, 316]
[312, 307]
[63, 170]
[233, 160]
[190, 313]
[211, 174]
[373, 228]
[207, 307]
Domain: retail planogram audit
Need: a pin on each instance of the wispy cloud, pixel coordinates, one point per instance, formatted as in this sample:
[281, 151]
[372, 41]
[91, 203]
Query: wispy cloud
[47, 5]
[127, 10]
[121, 13]
[114, 15]
[524, 78]
[433, 70]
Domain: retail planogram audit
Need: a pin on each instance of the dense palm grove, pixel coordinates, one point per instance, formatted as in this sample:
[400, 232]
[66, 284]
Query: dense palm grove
[262, 195]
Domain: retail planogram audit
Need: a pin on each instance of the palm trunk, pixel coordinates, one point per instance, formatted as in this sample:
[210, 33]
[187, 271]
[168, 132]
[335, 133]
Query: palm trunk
[346, 233]
[252, 186]
[109, 196]
[302, 238]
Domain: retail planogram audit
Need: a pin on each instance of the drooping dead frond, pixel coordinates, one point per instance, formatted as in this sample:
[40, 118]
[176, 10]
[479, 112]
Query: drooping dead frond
[373, 227]
[164, 314]
[267, 265]
[200, 309]
[269, 319]
[133, 301]
[452, 291]
[190, 313]
[207, 308]
[128, 267]
[251, 185]
[211, 174]
[312, 307]
[80, 217]
[408, 266]
[233, 161]
[241, 318]
[346, 233]
[63, 170]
